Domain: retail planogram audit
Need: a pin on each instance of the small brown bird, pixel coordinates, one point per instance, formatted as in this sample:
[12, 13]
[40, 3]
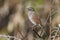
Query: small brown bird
[33, 17]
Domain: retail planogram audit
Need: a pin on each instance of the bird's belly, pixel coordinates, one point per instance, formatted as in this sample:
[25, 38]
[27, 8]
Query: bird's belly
[31, 19]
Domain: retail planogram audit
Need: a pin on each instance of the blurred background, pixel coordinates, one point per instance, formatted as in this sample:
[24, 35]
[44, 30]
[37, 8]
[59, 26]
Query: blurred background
[15, 24]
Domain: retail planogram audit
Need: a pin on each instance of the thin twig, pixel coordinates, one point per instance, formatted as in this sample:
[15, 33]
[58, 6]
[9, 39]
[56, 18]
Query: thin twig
[50, 18]
[47, 19]
[7, 36]
[19, 31]
[36, 32]
[56, 33]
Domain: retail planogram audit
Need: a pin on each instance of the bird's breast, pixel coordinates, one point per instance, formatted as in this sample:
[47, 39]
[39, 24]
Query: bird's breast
[31, 19]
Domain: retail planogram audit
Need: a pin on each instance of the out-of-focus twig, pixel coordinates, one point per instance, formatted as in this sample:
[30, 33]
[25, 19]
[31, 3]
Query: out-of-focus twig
[56, 33]
[7, 36]
[50, 18]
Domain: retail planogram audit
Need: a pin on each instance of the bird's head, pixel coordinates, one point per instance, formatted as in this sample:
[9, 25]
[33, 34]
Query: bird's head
[31, 9]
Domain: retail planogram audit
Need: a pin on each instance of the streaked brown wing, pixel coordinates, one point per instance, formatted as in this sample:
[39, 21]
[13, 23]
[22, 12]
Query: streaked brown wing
[36, 19]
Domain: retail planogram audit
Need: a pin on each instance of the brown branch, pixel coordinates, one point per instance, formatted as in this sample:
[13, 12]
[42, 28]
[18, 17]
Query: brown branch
[50, 19]
[36, 32]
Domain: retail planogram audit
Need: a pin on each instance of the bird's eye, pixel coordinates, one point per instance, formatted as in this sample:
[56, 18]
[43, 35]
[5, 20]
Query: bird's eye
[31, 9]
